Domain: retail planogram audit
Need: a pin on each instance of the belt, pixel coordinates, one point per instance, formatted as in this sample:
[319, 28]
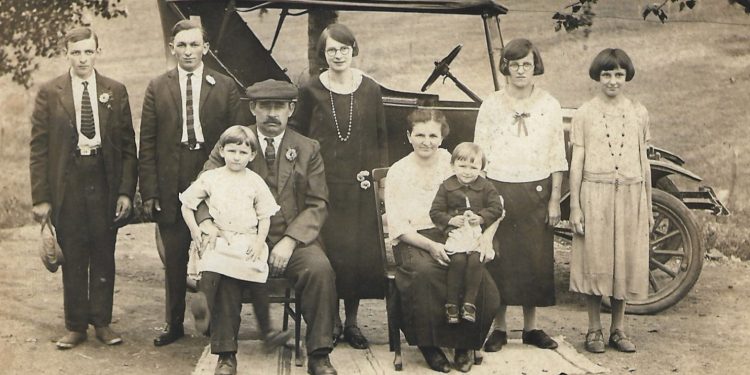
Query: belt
[193, 147]
[88, 151]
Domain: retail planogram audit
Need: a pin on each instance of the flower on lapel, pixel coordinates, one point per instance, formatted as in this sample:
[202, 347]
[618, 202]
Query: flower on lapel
[105, 98]
[291, 154]
[362, 175]
[211, 81]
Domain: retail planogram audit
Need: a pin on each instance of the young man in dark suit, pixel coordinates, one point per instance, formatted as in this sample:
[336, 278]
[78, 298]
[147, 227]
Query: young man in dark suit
[185, 110]
[83, 168]
[291, 165]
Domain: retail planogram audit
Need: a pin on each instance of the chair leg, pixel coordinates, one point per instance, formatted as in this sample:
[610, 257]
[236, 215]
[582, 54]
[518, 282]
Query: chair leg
[478, 358]
[297, 330]
[285, 322]
[394, 334]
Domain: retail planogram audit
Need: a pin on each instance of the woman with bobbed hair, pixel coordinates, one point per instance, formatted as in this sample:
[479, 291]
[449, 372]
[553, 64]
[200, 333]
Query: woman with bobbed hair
[610, 199]
[520, 128]
[342, 109]
[419, 248]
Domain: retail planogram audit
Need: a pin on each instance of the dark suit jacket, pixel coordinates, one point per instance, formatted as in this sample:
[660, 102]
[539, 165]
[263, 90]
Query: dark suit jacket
[161, 132]
[450, 201]
[301, 191]
[54, 139]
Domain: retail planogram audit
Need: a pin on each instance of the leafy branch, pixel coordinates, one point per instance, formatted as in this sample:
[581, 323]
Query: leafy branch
[658, 9]
[34, 28]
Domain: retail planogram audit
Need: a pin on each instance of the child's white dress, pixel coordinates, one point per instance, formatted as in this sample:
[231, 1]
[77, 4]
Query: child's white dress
[236, 202]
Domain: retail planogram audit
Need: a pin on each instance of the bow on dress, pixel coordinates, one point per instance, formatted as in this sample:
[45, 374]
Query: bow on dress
[519, 120]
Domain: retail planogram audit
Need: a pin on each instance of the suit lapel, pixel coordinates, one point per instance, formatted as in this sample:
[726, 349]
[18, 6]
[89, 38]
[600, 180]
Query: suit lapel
[65, 93]
[105, 109]
[206, 88]
[174, 89]
[285, 166]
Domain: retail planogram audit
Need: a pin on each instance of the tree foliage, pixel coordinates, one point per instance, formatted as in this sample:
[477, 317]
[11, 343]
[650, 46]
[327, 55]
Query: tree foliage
[580, 14]
[32, 29]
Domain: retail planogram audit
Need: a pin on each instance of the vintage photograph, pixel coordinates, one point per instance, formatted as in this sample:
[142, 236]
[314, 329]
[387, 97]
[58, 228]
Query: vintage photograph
[374, 187]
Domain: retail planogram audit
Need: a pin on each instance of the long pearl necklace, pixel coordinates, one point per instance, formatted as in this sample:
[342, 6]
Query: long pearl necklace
[333, 109]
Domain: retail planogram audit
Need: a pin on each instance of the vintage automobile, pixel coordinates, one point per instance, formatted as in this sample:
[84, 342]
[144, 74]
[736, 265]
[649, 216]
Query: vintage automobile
[677, 246]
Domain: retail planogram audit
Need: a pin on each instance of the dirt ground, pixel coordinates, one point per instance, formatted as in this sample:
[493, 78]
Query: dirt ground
[704, 334]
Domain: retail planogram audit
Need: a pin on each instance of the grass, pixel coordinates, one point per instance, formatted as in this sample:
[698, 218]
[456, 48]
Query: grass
[693, 76]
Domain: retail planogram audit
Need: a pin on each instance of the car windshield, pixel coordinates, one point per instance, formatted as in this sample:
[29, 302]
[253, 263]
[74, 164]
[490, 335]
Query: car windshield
[396, 49]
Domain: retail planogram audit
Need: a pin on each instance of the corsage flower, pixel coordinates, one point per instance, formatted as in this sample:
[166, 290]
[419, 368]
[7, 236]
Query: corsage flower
[364, 184]
[210, 79]
[105, 98]
[291, 154]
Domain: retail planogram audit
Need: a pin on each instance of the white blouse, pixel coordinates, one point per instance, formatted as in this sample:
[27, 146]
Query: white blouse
[409, 192]
[523, 140]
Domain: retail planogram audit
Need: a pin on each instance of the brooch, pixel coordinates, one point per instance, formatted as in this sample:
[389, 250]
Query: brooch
[291, 154]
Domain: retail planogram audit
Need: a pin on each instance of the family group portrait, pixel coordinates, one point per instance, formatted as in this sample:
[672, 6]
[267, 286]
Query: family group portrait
[374, 187]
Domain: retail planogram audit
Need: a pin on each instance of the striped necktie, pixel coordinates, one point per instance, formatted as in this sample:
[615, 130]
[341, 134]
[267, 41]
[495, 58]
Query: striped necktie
[87, 113]
[270, 153]
[189, 110]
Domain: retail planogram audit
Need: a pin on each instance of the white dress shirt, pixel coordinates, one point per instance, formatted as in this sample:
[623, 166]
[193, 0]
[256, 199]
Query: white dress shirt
[77, 83]
[276, 142]
[197, 81]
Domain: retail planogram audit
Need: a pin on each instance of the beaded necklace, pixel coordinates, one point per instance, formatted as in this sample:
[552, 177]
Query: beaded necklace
[333, 109]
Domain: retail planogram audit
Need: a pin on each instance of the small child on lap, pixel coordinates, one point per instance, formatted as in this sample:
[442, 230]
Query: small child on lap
[465, 203]
[241, 205]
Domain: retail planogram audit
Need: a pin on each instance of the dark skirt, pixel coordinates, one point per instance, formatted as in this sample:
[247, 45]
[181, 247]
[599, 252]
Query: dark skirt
[421, 283]
[350, 235]
[524, 264]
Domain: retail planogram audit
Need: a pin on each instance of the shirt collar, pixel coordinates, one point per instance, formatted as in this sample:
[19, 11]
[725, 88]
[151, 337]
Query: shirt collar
[276, 140]
[77, 81]
[198, 72]
[452, 183]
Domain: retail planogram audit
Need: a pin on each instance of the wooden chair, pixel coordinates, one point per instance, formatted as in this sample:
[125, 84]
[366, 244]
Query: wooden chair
[288, 298]
[392, 300]
[389, 269]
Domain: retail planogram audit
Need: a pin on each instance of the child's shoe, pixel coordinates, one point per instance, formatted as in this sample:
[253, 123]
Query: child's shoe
[595, 341]
[274, 339]
[469, 312]
[451, 313]
[619, 341]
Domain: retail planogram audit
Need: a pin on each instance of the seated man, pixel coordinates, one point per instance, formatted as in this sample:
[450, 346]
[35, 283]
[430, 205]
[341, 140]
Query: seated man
[292, 167]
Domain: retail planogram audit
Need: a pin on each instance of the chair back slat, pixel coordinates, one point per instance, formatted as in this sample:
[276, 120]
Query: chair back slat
[386, 251]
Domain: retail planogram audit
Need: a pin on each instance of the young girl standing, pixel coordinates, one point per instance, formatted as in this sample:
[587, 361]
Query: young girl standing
[239, 260]
[610, 199]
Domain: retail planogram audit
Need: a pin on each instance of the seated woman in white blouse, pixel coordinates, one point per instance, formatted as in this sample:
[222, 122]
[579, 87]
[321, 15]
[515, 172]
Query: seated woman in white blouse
[420, 251]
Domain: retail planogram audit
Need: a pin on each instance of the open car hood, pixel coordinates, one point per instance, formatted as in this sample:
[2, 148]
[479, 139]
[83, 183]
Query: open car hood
[476, 7]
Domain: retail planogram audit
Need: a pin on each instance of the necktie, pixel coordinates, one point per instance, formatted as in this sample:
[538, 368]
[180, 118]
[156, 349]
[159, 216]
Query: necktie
[270, 153]
[87, 114]
[189, 118]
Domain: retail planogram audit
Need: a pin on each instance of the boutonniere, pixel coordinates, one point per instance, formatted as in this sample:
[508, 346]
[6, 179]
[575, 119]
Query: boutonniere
[106, 98]
[364, 183]
[291, 154]
[211, 81]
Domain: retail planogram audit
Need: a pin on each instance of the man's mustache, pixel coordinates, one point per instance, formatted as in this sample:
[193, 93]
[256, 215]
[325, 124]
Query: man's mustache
[272, 121]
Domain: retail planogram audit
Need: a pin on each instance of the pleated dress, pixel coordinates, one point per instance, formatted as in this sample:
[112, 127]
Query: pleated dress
[611, 258]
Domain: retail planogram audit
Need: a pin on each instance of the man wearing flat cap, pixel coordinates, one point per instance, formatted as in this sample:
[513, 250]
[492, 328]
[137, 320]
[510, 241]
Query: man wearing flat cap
[291, 165]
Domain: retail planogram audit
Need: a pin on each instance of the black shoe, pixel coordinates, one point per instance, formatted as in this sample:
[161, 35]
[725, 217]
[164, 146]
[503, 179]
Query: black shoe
[170, 335]
[538, 338]
[496, 341]
[462, 360]
[435, 358]
[451, 313]
[320, 365]
[469, 312]
[226, 365]
[338, 332]
[355, 338]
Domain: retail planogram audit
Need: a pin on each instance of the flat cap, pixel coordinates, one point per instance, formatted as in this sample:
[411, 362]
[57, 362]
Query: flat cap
[272, 89]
